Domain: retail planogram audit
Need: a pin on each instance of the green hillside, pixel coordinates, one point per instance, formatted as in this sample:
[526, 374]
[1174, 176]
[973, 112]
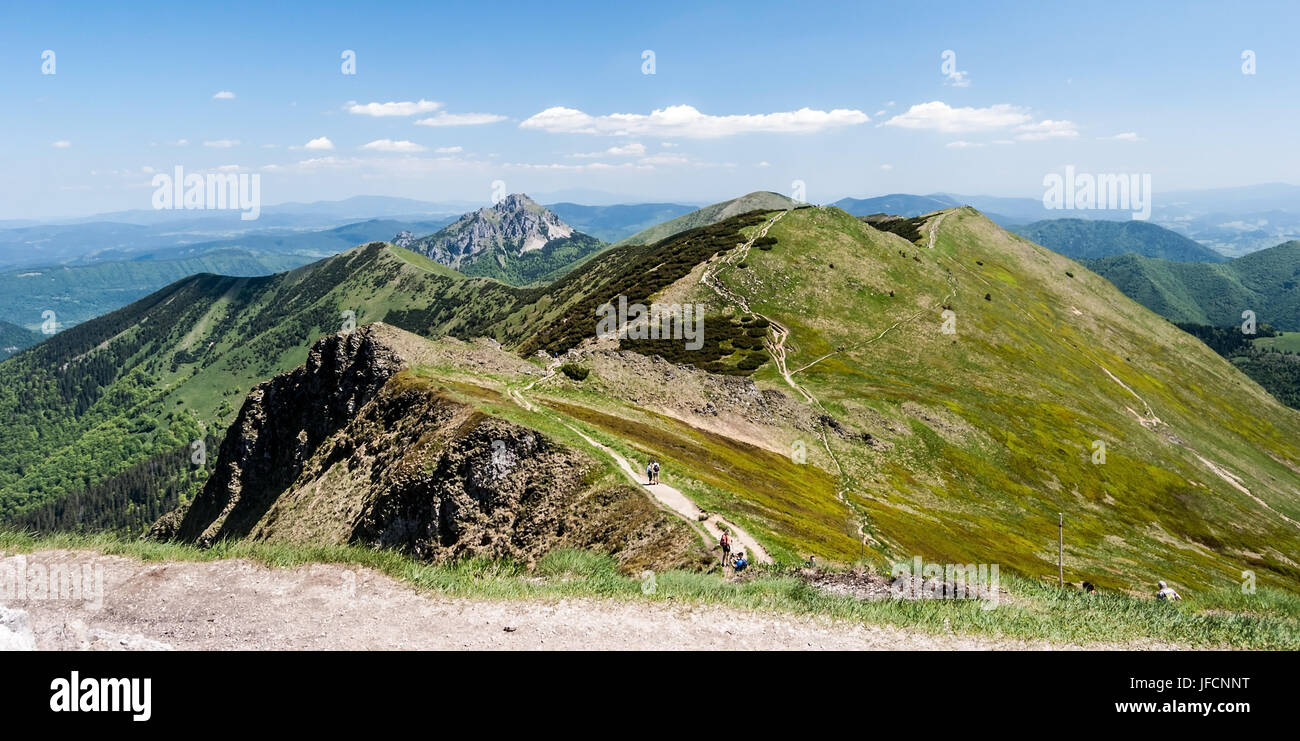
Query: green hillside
[1266, 282]
[1089, 239]
[757, 201]
[14, 338]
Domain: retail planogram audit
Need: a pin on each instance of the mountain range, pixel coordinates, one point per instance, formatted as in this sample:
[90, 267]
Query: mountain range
[858, 395]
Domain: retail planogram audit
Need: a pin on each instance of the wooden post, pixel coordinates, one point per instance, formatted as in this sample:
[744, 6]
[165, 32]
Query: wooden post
[1060, 549]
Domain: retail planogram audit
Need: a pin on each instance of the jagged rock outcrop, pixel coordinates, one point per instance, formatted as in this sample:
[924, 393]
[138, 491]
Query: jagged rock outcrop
[512, 227]
[352, 447]
[404, 239]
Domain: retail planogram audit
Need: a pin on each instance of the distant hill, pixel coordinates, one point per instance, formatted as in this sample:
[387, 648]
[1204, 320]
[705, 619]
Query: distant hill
[1266, 282]
[895, 204]
[612, 223]
[14, 339]
[80, 292]
[761, 200]
[516, 241]
[1089, 239]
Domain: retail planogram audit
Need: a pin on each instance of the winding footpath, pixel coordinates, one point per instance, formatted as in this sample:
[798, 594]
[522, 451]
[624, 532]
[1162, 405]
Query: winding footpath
[710, 526]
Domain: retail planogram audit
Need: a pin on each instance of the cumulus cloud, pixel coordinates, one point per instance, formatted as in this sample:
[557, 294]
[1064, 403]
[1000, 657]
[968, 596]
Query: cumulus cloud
[388, 145]
[320, 142]
[224, 95]
[1047, 129]
[449, 150]
[631, 149]
[221, 143]
[939, 116]
[686, 121]
[460, 119]
[393, 108]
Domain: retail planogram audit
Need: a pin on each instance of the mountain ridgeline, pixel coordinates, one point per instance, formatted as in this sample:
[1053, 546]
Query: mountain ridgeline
[958, 437]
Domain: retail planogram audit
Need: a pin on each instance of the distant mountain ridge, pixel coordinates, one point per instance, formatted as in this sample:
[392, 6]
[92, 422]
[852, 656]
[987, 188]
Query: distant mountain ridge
[1266, 282]
[1090, 239]
[761, 200]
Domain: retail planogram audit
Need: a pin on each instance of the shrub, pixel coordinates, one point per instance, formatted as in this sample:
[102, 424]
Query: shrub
[575, 371]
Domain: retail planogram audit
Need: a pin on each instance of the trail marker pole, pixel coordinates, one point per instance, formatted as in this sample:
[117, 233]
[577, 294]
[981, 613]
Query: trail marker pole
[1060, 550]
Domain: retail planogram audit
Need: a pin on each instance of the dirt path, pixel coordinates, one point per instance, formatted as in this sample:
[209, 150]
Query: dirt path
[666, 495]
[678, 502]
[237, 605]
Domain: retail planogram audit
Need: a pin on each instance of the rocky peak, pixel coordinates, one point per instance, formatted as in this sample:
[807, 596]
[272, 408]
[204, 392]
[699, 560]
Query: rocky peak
[511, 227]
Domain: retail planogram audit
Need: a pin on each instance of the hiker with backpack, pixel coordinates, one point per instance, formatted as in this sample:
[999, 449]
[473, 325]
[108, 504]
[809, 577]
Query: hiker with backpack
[725, 542]
[650, 474]
[1165, 594]
[655, 466]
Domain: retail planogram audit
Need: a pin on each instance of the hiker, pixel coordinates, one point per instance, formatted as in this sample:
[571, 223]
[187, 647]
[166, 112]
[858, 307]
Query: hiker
[655, 466]
[1165, 594]
[725, 542]
[741, 562]
[1088, 588]
[650, 473]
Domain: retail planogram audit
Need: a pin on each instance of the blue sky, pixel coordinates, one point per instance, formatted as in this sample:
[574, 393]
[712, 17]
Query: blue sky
[565, 106]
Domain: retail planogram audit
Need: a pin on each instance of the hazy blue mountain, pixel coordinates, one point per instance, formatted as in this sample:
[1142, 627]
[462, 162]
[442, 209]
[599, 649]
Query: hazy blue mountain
[1088, 239]
[612, 223]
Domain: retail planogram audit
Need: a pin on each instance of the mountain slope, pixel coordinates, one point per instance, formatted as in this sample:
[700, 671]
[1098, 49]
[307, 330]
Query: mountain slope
[516, 241]
[1087, 239]
[14, 338]
[964, 447]
[757, 201]
[1266, 282]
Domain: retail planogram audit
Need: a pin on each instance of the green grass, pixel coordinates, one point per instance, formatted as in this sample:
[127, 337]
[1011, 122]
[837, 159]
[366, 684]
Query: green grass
[1269, 619]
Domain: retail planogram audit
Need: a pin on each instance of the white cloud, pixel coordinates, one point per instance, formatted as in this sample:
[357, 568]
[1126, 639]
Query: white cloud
[939, 116]
[460, 119]
[1047, 129]
[224, 95]
[668, 145]
[764, 163]
[61, 144]
[665, 159]
[631, 149]
[886, 167]
[686, 121]
[182, 142]
[1127, 136]
[449, 150]
[959, 144]
[221, 143]
[388, 145]
[393, 108]
[320, 142]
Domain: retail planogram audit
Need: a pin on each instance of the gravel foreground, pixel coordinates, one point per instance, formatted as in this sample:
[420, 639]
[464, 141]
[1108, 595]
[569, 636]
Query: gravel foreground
[239, 605]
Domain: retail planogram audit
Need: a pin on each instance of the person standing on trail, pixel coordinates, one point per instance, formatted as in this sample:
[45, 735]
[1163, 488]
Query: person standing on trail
[650, 473]
[655, 466]
[1165, 594]
[725, 542]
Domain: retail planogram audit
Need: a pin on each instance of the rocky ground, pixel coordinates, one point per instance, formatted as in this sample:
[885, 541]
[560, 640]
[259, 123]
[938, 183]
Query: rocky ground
[224, 605]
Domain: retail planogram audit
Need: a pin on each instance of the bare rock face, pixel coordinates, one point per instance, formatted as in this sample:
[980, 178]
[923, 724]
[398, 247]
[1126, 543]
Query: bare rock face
[279, 427]
[348, 448]
[512, 227]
